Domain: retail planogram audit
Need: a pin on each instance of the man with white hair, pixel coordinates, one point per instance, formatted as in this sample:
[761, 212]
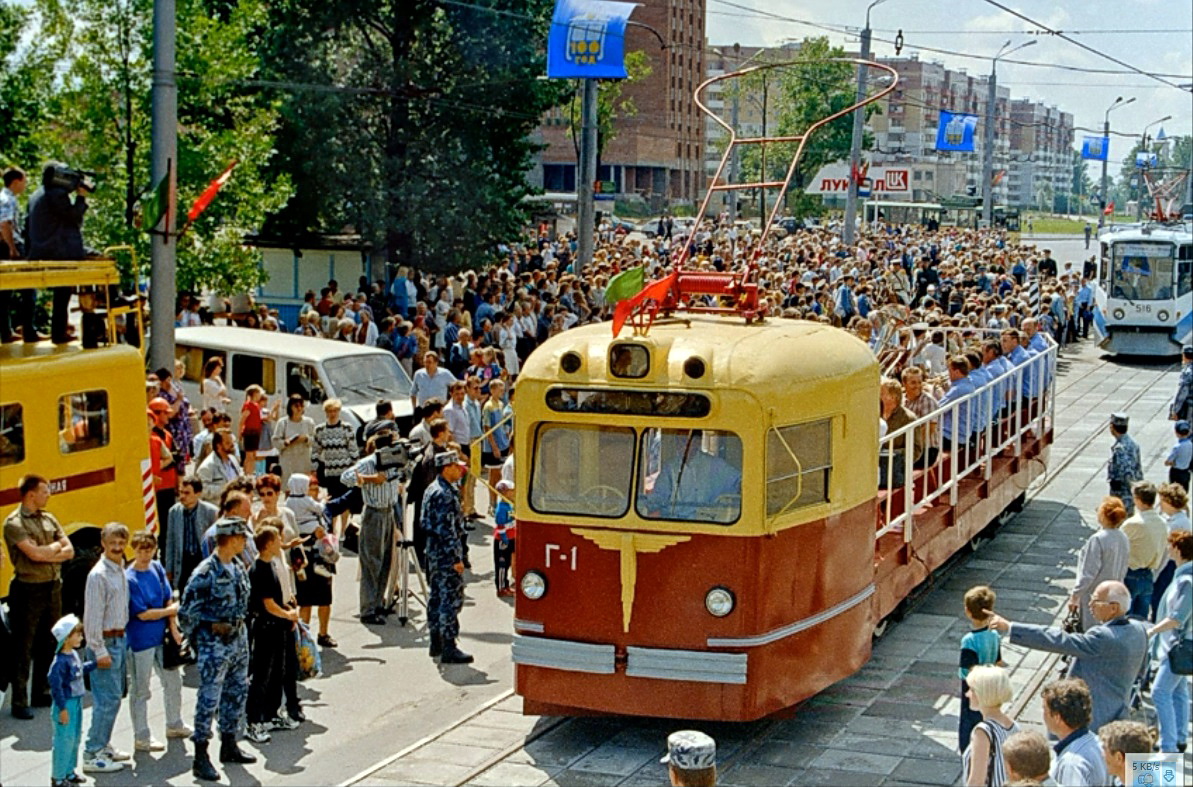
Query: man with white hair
[1107, 657]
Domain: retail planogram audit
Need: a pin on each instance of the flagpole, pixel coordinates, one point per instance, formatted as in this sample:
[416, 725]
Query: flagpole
[162, 286]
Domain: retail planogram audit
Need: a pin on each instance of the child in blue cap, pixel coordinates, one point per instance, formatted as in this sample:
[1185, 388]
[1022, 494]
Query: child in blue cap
[66, 688]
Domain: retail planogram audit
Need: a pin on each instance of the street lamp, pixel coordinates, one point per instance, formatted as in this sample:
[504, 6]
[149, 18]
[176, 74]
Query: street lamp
[1139, 200]
[855, 144]
[1118, 102]
[734, 155]
[988, 131]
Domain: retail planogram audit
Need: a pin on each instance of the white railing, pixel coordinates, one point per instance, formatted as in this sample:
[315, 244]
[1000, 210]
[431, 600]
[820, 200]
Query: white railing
[1028, 411]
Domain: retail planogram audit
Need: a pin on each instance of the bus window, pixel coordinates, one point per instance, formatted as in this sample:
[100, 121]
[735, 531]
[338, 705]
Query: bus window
[303, 379]
[690, 474]
[12, 434]
[82, 421]
[582, 469]
[195, 358]
[791, 485]
[252, 370]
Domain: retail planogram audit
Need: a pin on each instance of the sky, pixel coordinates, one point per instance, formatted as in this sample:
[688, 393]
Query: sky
[1163, 44]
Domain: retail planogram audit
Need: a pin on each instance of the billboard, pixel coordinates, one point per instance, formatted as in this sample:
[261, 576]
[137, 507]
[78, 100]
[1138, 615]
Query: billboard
[833, 179]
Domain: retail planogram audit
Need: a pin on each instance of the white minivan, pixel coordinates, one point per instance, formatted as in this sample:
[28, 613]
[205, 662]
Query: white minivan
[285, 364]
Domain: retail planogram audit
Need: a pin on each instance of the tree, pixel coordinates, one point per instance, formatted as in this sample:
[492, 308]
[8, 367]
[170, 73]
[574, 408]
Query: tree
[26, 73]
[610, 104]
[815, 84]
[408, 121]
[96, 115]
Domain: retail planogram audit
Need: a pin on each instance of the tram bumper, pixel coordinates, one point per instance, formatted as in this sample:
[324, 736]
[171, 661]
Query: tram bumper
[658, 663]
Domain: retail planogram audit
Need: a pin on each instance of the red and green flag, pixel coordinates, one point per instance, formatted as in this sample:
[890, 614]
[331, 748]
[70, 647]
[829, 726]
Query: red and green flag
[209, 193]
[156, 203]
[626, 284]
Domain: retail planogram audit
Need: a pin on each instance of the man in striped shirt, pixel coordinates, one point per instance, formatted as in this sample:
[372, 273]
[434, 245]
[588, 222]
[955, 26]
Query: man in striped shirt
[105, 614]
[381, 491]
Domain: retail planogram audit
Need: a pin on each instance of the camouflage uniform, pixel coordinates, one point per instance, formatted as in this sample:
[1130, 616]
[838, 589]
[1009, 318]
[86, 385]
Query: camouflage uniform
[218, 593]
[1181, 408]
[1124, 469]
[443, 517]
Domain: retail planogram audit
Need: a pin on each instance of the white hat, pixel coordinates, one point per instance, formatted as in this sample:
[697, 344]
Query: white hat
[298, 484]
[62, 629]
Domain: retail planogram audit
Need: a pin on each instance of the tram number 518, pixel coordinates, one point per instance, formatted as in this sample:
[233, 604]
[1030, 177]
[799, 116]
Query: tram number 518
[562, 556]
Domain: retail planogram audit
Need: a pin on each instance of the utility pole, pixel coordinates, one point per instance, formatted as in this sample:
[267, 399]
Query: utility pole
[586, 177]
[735, 154]
[762, 189]
[162, 285]
[855, 145]
[1118, 102]
[988, 133]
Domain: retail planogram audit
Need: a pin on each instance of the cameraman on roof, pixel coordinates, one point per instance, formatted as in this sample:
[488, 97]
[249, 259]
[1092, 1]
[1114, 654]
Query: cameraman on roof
[55, 230]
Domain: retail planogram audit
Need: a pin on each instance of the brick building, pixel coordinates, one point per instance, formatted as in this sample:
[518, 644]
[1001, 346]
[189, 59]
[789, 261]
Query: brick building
[1041, 166]
[657, 154]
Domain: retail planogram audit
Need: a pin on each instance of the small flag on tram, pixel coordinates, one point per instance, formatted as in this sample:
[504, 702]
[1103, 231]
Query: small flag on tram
[656, 291]
[156, 204]
[209, 193]
[626, 284]
[1109, 209]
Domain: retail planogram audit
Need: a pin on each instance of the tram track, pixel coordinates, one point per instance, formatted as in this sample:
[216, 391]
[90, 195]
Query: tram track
[760, 735]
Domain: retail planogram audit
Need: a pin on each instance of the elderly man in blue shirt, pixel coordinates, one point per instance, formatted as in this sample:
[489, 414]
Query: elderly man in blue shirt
[960, 385]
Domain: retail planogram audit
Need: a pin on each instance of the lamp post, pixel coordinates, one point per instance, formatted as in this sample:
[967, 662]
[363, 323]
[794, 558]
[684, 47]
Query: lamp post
[1118, 102]
[855, 144]
[1139, 201]
[988, 131]
[735, 155]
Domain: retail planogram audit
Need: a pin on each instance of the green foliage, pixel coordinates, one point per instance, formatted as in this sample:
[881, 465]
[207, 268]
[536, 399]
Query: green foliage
[611, 105]
[95, 114]
[25, 75]
[408, 121]
[800, 93]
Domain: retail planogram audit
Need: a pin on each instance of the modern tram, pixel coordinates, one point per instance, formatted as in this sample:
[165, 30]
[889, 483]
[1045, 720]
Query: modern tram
[1145, 289]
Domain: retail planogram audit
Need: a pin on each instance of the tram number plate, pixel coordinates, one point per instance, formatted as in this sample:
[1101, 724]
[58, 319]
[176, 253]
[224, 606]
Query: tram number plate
[561, 555]
[1143, 308]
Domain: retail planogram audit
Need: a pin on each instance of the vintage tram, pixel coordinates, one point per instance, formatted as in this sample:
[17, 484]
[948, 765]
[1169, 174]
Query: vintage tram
[700, 532]
[77, 417]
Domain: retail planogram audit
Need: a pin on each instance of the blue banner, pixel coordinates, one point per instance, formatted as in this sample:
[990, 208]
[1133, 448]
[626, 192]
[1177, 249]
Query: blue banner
[587, 39]
[1147, 159]
[955, 132]
[1095, 148]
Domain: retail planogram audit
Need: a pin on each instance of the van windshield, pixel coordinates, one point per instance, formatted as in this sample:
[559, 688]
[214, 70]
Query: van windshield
[363, 379]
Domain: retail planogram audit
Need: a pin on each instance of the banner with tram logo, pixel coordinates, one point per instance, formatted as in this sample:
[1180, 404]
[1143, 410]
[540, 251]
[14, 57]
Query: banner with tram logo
[587, 39]
[955, 132]
[1095, 148]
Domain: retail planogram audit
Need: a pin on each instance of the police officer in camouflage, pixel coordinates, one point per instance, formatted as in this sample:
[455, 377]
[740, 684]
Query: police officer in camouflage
[1181, 408]
[443, 519]
[214, 605]
[1125, 467]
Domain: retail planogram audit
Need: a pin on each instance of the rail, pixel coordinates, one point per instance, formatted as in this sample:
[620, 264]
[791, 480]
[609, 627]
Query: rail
[1027, 407]
[475, 449]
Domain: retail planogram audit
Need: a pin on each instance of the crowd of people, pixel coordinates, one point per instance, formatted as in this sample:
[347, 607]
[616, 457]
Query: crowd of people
[252, 519]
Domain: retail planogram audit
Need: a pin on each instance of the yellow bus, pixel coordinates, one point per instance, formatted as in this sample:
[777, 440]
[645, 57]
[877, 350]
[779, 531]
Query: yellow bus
[77, 417]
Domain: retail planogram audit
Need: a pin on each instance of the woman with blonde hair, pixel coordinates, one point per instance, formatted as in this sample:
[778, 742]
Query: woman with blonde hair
[982, 762]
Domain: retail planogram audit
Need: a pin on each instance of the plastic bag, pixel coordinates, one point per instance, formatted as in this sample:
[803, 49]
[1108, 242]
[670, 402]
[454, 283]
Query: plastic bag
[310, 662]
[329, 548]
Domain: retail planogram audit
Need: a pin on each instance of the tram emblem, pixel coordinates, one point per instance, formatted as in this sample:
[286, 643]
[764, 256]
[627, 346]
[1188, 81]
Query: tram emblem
[586, 39]
[954, 131]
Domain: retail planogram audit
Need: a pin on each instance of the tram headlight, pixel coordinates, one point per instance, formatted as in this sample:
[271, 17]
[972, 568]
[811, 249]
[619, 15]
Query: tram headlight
[1119, 314]
[719, 602]
[1162, 316]
[534, 585]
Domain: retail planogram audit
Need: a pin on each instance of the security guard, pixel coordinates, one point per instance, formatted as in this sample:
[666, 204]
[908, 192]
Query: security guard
[214, 606]
[443, 519]
[1182, 404]
[1124, 468]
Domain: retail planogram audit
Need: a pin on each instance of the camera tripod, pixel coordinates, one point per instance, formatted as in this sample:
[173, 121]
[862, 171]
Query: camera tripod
[403, 562]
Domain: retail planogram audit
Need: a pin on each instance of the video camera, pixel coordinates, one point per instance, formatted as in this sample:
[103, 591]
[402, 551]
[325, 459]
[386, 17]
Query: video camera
[61, 176]
[395, 456]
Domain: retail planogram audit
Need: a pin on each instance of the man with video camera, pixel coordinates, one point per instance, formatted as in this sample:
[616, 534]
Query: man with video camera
[55, 230]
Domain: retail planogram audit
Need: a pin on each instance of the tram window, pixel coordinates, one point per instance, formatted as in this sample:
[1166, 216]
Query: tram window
[629, 360]
[12, 434]
[790, 485]
[614, 402]
[303, 379]
[582, 469]
[252, 370]
[1184, 275]
[83, 421]
[692, 475]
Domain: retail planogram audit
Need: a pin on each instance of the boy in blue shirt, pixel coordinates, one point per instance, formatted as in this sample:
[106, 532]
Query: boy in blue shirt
[979, 647]
[1180, 458]
[504, 538]
[66, 688]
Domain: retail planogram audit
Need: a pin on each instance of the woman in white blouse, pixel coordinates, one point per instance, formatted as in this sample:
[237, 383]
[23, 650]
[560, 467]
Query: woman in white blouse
[215, 393]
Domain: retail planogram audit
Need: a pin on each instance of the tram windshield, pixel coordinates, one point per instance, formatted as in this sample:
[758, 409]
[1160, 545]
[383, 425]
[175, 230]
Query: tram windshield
[1142, 271]
[583, 469]
[690, 474]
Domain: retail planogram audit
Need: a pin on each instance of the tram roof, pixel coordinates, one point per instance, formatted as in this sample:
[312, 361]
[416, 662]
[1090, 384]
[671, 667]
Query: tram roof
[1134, 233]
[768, 358]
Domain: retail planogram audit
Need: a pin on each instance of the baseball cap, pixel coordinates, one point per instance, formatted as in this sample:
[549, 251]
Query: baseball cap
[1182, 428]
[62, 629]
